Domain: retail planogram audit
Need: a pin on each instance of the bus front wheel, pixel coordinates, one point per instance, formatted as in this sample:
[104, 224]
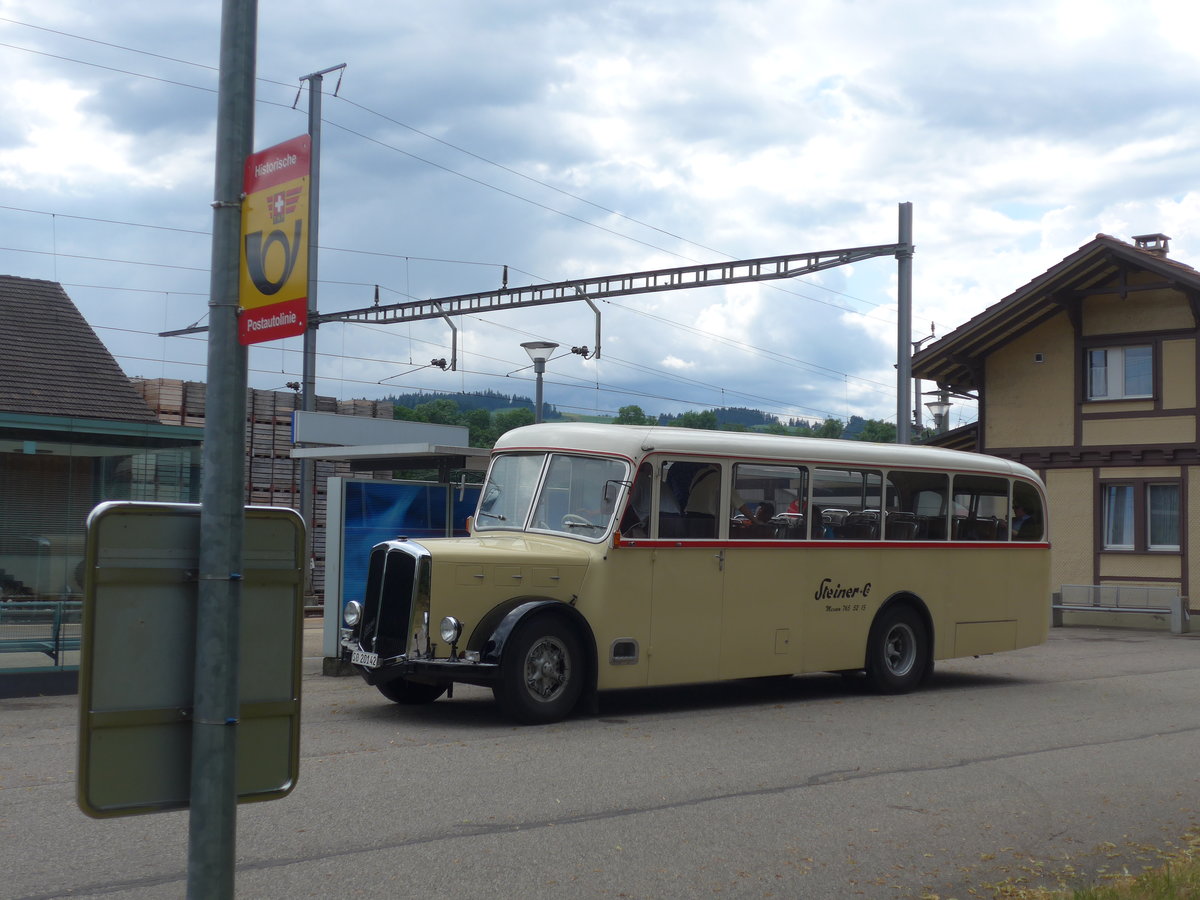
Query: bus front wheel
[541, 676]
[897, 651]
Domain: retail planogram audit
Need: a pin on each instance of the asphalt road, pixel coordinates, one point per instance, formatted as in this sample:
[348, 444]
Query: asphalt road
[1067, 760]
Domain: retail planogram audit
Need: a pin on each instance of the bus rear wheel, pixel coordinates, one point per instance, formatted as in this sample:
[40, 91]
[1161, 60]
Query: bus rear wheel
[410, 693]
[541, 675]
[897, 651]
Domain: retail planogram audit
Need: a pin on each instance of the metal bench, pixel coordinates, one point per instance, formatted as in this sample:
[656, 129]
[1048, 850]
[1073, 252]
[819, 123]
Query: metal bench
[1122, 598]
[37, 626]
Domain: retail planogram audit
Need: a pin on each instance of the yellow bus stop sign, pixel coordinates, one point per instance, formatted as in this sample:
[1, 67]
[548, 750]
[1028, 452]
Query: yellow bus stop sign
[273, 273]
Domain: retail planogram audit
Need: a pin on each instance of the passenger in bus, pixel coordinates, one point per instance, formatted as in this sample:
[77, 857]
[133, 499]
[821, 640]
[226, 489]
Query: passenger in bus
[704, 495]
[1024, 526]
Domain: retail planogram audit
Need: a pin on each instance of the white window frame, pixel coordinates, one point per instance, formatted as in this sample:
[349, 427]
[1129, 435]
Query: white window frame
[1150, 486]
[1134, 509]
[1113, 373]
[1128, 509]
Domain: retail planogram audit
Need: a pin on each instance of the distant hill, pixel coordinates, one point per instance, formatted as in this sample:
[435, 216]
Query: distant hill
[489, 400]
[732, 415]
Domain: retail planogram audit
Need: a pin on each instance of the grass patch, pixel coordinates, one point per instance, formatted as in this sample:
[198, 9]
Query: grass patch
[1170, 874]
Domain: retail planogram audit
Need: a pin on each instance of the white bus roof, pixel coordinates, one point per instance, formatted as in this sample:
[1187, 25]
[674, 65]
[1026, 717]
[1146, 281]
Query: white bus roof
[635, 441]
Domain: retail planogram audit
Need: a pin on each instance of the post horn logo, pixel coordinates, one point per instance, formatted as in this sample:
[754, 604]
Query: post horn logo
[256, 253]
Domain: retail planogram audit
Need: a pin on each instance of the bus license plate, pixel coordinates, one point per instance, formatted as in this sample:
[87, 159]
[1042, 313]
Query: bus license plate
[363, 658]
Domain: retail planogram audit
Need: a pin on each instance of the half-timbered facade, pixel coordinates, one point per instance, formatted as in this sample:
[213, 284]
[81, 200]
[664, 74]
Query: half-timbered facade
[1088, 374]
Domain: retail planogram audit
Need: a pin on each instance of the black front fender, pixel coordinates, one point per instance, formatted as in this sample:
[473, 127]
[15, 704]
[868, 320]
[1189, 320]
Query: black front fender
[493, 648]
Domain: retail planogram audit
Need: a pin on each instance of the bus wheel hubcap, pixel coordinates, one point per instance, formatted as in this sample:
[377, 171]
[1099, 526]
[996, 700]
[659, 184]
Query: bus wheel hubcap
[547, 668]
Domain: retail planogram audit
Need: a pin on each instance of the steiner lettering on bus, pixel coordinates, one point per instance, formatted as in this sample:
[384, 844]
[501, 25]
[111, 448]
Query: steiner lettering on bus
[830, 591]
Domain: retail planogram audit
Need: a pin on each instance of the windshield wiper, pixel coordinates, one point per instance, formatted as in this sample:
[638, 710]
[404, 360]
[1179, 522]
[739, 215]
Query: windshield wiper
[582, 525]
[494, 516]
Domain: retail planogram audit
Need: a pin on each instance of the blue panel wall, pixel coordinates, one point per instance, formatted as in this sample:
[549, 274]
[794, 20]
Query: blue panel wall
[379, 511]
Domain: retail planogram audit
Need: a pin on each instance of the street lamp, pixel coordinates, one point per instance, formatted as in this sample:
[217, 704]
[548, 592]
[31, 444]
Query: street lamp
[940, 410]
[539, 352]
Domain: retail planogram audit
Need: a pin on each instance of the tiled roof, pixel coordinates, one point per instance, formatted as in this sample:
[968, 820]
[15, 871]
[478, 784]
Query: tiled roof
[53, 363]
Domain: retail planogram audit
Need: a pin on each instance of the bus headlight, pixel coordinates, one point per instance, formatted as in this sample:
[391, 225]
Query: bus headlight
[352, 613]
[451, 630]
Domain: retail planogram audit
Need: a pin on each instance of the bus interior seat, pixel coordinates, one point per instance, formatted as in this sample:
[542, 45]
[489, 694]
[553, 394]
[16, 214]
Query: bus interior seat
[901, 526]
[861, 526]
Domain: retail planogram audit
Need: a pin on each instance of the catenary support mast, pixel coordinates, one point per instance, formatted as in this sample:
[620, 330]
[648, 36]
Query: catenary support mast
[904, 256]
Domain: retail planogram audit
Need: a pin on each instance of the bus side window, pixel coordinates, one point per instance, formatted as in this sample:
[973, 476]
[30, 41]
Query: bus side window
[916, 506]
[688, 499]
[851, 503]
[635, 523]
[1028, 522]
[776, 498]
[980, 510]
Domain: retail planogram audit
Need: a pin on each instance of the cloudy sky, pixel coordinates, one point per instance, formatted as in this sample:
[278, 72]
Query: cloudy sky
[566, 140]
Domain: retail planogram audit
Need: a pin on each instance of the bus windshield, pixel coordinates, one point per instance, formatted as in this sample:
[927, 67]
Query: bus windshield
[577, 495]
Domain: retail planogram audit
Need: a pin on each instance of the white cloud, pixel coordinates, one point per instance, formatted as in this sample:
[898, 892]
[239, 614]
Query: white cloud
[1018, 129]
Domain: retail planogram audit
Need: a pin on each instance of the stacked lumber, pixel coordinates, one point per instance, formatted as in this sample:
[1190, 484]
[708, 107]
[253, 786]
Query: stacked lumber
[272, 477]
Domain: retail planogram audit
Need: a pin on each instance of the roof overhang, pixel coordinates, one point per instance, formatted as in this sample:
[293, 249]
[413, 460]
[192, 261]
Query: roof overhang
[73, 435]
[377, 457]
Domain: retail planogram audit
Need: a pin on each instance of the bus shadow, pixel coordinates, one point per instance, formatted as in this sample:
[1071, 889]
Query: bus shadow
[472, 708]
[751, 692]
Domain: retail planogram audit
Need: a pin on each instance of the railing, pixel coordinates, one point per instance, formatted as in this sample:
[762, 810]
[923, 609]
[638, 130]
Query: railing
[1122, 598]
[37, 626]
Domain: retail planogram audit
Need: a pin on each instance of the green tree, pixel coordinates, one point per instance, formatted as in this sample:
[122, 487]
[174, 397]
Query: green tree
[633, 415]
[512, 418]
[479, 424]
[878, 431]
[830, 428]
[693, 419]
[442, 411]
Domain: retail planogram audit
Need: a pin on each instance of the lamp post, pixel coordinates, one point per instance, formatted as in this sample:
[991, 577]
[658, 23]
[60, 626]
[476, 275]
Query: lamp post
[940, 410]
[539, 352]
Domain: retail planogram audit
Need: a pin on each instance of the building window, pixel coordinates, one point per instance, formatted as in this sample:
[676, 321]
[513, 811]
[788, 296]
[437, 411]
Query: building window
[1118, 517]
[1162, 516]
[1141, 516]
[1120, 373]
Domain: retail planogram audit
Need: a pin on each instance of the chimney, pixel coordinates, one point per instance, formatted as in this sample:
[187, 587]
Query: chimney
[1155, 244]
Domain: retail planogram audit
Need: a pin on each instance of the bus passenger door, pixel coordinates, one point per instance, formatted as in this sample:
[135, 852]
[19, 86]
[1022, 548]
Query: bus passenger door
[762, 612]
[685, 618]
[688, 577]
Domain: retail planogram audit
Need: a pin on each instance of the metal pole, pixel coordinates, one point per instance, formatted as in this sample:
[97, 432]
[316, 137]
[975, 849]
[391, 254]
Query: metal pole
[308, 389]
[213, 804]
[904, 327]
[539, 367]
[308, 382]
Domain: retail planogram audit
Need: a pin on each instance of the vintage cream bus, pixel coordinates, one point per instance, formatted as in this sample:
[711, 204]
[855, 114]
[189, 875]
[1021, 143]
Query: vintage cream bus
[617, 556]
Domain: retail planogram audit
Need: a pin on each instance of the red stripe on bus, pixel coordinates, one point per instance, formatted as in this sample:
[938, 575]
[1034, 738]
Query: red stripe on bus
[662, 543]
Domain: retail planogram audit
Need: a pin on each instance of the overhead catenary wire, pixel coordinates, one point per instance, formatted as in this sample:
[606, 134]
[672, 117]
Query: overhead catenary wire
[801, 363]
